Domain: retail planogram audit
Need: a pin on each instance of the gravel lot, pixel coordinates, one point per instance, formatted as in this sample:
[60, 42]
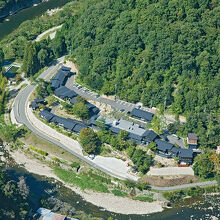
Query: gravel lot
[170, 171]
[114, 165]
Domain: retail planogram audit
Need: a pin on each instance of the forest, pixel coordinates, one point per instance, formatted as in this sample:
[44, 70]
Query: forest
[159, 52]
[156, 51]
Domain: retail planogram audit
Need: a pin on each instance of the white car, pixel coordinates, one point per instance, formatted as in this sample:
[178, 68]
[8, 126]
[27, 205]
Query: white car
[174, 136]
[91, 156]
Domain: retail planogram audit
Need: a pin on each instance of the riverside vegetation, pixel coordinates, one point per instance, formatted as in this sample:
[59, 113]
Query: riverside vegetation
[169, 59]
[159, 52]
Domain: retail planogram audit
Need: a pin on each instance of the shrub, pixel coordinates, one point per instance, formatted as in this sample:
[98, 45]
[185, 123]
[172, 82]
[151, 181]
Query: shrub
[57, 160]
[44, 153]
[144, 198]
[117, 192]
[75, 164]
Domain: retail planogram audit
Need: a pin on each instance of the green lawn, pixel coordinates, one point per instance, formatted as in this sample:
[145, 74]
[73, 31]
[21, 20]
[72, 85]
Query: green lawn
[82, 180]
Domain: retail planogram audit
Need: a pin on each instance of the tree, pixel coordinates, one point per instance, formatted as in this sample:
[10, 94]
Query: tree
[80, 110]
[203, 166]
[30, 62]
[43, 89]
[142, 160]
[43, 57]
[10, 132]
[100, 123]
[156, 124]
[80, 99]
[123, 135]
[89, 140]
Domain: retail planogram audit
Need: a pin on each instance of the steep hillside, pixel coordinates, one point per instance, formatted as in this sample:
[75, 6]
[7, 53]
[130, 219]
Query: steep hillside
[155, 51]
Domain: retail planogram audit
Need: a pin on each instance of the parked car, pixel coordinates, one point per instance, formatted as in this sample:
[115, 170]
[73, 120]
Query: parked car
[121, 110]
[174, 136]
[91, 156]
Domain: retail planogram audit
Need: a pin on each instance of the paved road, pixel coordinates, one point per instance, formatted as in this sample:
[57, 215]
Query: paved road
[115, 104]
[172, 188]
[19, 108]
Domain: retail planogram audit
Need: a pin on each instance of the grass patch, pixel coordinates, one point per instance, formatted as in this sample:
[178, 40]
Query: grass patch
[117, 192]
[99, 178]
[82, 180]
[43, 153]
[75, 164]
[144, 198]
[31, 139]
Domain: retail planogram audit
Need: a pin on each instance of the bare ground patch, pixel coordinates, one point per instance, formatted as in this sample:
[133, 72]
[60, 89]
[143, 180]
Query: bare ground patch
[169, 180]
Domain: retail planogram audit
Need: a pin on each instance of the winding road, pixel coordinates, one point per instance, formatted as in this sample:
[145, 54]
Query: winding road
[20, 115]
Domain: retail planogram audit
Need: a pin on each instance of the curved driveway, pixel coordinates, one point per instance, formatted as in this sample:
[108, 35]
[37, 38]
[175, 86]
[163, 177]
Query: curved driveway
[19, 108]
[21, 117]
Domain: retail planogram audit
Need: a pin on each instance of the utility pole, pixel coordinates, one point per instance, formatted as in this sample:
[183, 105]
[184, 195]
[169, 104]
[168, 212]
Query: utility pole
[70, 50]
[115, 91]
[165, 102]
[151, 102]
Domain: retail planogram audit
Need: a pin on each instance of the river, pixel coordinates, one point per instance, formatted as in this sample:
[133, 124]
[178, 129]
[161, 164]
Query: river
[10, 23]
[38, 184]
[198, 208]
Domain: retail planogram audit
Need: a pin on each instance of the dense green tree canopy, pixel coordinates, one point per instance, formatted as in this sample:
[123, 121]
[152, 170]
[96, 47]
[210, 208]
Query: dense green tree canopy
[89, 140]
[154, 51]
[80, 110]
[204, 166]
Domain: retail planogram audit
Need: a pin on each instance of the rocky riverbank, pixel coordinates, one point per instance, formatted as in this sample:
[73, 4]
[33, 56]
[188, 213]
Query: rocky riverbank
[11, 9]
[105, 200]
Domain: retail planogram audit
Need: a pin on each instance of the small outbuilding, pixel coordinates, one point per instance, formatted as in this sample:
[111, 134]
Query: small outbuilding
[192, 140]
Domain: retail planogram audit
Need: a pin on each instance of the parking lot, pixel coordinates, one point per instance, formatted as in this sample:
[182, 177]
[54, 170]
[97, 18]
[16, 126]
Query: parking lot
[84, 92]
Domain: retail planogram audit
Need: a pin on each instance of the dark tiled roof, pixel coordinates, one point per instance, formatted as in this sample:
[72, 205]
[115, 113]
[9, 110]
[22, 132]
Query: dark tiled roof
[34, 105]
[163, 145]
[150, 135]
[175, 150]
[192, 136]
[95, 110]
[114, 130]
[46, 114]
[55, 83]
[69, 124]
[57, 119]
[73, 101]
[89, 105]
[92, 120]
[134, 136]
[142, 114]
[40, 100]
[64, 92]
[79, 127]
[186, 153]
[70, 94]
[61, 76]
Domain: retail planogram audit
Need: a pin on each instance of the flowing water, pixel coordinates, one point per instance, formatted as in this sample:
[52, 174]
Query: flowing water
[198, 208]
[10, 23]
